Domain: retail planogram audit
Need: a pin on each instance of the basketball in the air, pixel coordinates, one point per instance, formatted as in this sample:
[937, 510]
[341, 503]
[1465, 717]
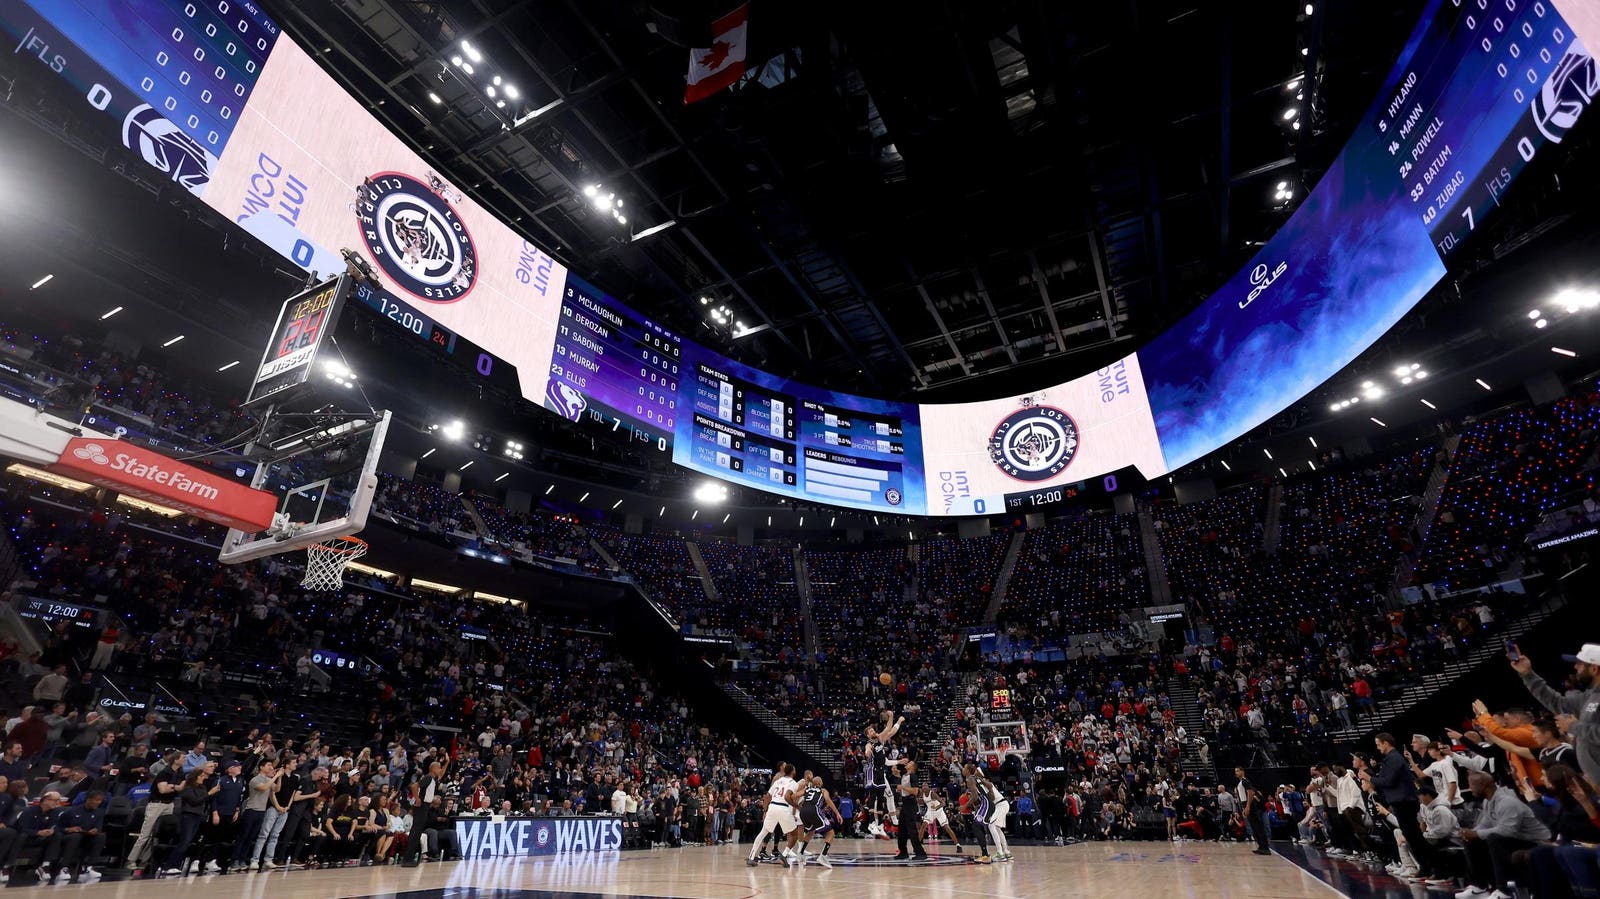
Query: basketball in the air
[886, 678]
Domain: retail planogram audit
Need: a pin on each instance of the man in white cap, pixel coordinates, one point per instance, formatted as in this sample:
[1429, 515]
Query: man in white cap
[1577, 711]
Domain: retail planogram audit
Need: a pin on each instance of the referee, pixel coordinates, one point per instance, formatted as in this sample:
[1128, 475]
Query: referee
[910, 815]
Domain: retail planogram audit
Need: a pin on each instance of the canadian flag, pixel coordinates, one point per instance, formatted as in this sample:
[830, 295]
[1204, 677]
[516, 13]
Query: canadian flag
[720, 65]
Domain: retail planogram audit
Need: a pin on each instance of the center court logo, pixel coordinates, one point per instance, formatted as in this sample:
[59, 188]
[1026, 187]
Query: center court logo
[1034, 443]
[416, 237]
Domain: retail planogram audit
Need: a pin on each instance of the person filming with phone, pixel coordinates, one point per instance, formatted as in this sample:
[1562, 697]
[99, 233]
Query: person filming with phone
[1577, 711]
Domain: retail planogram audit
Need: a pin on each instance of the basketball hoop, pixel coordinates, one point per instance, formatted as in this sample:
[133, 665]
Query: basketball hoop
[325, 562]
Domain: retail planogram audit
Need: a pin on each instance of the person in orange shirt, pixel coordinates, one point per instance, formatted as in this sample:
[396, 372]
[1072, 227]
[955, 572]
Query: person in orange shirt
[1514, 726]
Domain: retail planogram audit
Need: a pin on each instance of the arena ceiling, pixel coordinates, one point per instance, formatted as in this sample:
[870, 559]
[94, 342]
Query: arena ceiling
[906, 199]
[930, 204]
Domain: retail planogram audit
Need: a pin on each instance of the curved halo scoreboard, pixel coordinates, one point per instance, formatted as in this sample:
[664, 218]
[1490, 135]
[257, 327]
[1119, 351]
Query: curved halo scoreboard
[213, 96]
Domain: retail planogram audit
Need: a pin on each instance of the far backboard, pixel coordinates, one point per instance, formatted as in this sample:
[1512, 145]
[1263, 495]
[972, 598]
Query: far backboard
[325, 478]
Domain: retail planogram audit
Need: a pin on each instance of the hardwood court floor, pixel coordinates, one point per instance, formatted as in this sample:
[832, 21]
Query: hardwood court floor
[1099, 870]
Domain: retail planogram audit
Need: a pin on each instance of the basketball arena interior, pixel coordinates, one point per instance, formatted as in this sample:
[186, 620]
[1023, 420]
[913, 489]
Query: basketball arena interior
[701, 450]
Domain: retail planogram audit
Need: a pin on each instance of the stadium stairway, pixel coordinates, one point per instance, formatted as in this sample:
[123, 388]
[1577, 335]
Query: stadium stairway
[783, 729]
[1154, 564]
[1490, 653]
[707, 584]
[478, 523]
[1427, 511]
[802, 588]
[1270, 528]
[1002, 579]
[602, 552]
[934, 742]
[1186, 708]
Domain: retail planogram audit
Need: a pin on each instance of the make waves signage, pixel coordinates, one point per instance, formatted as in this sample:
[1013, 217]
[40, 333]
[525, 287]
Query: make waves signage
[135, 471]
[489, 838]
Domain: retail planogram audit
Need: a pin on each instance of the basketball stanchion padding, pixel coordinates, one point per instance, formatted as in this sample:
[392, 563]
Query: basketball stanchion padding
[325, 562]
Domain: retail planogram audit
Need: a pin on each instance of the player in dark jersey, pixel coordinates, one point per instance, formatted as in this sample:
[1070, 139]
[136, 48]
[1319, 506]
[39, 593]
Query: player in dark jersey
[992, 810]
[978, 810]
[813, 800]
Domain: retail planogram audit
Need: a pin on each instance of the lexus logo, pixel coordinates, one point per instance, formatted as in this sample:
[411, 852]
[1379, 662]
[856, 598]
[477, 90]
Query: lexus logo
[93, 452]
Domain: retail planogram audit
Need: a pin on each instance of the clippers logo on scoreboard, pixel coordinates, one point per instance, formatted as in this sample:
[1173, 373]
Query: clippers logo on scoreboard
[416, 237]
[1034, 443]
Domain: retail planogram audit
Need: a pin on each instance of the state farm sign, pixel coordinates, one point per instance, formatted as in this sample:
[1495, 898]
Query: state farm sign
[136, 471]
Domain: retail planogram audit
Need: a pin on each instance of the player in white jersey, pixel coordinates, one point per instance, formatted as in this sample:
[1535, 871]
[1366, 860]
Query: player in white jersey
[780, 814]
[935, 817]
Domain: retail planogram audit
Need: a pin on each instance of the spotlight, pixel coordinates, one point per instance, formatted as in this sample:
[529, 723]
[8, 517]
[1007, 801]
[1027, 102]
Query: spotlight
[711, 492]
[1290, 113]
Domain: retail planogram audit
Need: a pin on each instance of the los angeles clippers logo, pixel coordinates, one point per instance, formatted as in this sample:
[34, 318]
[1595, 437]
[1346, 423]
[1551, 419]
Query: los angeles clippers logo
[1034, 443]
[415, 236]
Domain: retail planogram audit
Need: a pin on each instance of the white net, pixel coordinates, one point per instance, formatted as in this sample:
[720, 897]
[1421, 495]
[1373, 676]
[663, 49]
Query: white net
[325, 562]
